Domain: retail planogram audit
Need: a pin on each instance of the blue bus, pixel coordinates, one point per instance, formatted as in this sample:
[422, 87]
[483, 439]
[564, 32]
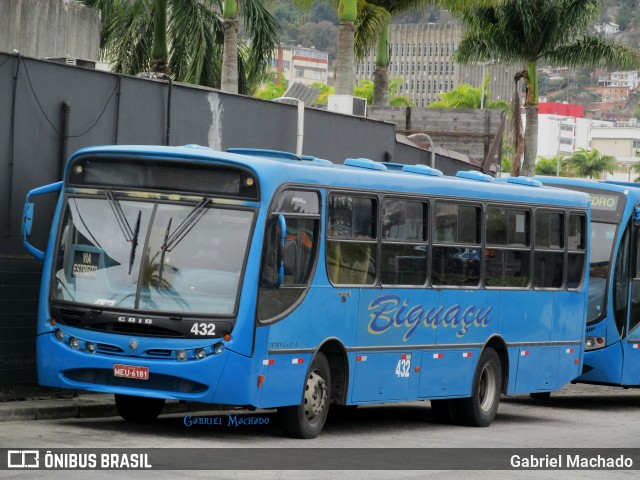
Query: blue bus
[612, 343]
[265, 279]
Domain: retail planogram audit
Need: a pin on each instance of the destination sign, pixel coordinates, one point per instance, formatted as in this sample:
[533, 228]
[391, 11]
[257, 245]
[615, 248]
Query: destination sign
[604, 202]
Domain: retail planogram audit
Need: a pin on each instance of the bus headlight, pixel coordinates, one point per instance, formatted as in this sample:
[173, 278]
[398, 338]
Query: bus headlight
[218, 348]
[592, 343]
[181, 355]
[91, 347]
[60, 335]
[200, 354]
[74, 343]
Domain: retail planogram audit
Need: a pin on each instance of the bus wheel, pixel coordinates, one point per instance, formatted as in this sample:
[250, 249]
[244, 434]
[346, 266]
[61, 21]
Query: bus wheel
[480, 409]
[540, 395]
[138, 409]
[307, 419]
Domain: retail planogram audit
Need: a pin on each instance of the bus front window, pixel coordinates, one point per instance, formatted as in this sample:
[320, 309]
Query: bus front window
[602, 237]
[187, 259]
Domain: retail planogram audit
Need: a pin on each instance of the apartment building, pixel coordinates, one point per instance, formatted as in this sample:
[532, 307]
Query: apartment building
[302, 65]
[421, 56]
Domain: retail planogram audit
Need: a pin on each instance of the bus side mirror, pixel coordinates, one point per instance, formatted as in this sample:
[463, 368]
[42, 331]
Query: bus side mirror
[27, 217]
[27, 220]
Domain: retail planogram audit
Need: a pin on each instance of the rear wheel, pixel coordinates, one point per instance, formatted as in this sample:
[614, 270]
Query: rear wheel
[307, 419]
[480, 409]
[138, 409]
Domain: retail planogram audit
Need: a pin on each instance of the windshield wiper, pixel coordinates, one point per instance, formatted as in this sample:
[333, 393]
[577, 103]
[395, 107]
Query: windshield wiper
[134, 242]
[181, 231]
[129, 235]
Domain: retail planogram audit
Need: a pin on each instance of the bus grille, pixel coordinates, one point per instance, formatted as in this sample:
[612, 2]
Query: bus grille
[135, 329]
[156, 381]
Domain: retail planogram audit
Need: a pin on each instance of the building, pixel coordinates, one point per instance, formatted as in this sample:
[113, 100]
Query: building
[628, 79]
[50, 29]
[421, 56]
[562, 129]
[302, 65]
[620, 142]
[608, 28]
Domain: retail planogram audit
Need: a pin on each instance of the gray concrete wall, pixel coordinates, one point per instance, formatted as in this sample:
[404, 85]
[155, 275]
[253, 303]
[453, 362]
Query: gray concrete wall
[466, 131]
[49, 28]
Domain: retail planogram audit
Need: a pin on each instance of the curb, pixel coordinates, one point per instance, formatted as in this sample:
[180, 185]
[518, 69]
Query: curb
[83, 406]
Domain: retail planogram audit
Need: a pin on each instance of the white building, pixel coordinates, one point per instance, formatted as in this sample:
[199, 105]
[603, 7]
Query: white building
[628, 79]
[302, 65]
[562, 134]
[608, 28]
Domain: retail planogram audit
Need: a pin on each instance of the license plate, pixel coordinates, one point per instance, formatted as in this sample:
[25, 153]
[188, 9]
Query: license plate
[131, 371]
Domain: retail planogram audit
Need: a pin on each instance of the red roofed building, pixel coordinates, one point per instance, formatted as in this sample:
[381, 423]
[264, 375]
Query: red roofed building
[565, 109]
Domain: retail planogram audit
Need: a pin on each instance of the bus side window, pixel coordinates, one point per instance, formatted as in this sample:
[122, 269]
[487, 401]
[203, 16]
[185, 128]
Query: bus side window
[577, 236]
[270, 268]
[351, 240]
[549, 250]
[508, 253]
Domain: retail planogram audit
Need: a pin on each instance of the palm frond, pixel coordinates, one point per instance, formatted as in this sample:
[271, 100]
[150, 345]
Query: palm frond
[594, 51]
[369, 24]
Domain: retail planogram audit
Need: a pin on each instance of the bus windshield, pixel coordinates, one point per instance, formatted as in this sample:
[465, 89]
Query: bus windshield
[151, 256]
[602, 237]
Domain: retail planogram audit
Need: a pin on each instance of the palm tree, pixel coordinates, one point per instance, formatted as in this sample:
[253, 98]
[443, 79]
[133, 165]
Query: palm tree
[524, 31]
[585, 163]
[381, 12]
[194, 34]
[364, 90]
[554, 166]
[468, 96]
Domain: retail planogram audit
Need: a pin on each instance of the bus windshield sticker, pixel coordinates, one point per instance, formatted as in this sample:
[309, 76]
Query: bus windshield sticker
[85, 264]
[105, 303]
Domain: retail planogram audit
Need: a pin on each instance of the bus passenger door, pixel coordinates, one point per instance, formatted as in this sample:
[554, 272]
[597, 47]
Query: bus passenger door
[631, 345]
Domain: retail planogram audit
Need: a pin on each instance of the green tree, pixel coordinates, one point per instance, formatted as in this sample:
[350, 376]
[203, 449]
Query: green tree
[270, 90]
[195, 35]
[590, 164]
[554, 166]
[526, 31]
[468, 96]
[383, 11]
[365, 90]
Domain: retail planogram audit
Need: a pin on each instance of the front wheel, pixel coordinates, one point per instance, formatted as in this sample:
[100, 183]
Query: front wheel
[480, 409]
[307, 419]
[138, 409]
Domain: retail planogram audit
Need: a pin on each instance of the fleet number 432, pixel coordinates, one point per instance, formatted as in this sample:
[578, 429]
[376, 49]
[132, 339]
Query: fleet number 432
[403, 367]
[203, 329]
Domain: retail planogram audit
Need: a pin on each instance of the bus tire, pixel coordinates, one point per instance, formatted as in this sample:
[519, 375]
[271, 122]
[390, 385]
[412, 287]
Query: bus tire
[540, 395]
[441, 410]
[480, 409]
[307, 419]
[138, 409]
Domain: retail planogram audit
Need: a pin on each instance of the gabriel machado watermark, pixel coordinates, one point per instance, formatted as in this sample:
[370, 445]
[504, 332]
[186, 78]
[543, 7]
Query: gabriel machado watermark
[227, 420]
[570, 461]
